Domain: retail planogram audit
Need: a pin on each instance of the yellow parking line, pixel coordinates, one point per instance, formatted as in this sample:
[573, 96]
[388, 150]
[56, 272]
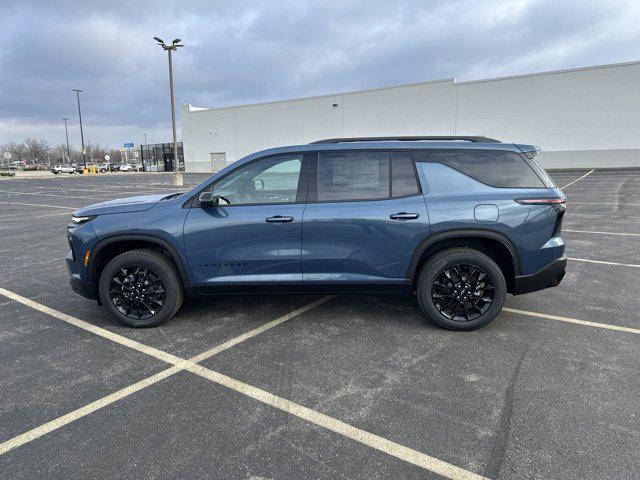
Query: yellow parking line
[602, 262]
[349, 431]
[602, 233]
[578, 179]
[11, 192]
[179, 363]
[576, 321]
[377, 442]
[59, 422]
[604, 203]
[39, 205]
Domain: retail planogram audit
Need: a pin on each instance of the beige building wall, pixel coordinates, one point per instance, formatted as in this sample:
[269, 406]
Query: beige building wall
[582, 118]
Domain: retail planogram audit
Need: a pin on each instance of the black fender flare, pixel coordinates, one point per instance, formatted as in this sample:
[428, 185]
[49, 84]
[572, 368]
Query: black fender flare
[138, 237]
[460, 233]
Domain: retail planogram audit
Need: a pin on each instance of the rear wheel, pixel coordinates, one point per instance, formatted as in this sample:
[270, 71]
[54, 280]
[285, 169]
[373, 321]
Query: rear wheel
[461, 289]
[141, 288]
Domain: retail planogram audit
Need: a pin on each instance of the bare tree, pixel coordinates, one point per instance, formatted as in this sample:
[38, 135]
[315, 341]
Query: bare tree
[37, 150]
[18, 151]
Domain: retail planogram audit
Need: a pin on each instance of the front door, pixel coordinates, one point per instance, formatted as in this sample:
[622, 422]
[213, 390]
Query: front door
[253, 235]
[365, 217]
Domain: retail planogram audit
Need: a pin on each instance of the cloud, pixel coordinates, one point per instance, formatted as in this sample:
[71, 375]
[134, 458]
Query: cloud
[240, 52]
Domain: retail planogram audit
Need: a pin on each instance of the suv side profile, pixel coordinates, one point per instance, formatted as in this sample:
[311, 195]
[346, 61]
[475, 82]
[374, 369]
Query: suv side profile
[458, 221]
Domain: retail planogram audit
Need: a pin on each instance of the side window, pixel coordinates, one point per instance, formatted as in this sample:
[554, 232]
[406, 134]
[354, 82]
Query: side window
[353, 176]
[403, 175]
[270, 180]
[491, 167]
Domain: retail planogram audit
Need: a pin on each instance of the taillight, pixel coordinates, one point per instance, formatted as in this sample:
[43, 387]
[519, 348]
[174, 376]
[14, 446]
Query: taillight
[542, 201]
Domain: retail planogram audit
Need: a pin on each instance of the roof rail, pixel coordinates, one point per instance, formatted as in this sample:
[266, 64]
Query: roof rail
[406, 139]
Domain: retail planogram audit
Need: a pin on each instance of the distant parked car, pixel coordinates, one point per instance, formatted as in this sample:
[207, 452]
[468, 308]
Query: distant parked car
[79, 168]
[109, 167]
[126, 167]
[18, 164]
[56, 169]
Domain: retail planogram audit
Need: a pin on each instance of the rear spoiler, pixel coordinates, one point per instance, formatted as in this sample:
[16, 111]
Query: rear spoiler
[529, 150]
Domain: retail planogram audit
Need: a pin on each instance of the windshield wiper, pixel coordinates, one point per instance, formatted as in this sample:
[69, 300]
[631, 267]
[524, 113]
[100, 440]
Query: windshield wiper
[173, 195]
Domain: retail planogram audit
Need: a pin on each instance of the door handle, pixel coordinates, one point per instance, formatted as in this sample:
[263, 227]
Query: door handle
[279, 219]
[404, 216]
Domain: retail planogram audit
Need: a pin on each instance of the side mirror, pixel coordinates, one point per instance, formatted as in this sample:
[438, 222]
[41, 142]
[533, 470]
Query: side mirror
[205, 199]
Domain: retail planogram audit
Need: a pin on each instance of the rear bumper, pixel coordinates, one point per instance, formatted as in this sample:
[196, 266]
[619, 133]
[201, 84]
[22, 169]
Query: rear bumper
[549, 276]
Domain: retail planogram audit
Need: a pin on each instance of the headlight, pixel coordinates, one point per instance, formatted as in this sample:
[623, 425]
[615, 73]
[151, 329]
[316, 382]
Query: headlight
[81, 220]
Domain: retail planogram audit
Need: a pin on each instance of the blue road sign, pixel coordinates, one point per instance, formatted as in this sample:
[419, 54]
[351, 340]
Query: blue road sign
[128, 145]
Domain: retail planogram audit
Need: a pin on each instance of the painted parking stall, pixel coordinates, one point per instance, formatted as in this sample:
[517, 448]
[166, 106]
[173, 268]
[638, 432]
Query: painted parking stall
[310, 386]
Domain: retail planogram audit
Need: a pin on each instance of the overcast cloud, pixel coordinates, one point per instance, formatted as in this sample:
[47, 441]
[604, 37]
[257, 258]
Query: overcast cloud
[242, 52]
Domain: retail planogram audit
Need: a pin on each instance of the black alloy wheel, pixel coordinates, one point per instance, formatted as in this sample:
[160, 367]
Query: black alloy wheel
[137, 292]
[463, 292]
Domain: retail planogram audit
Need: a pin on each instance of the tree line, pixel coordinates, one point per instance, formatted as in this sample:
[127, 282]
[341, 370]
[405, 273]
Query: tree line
[35, 151]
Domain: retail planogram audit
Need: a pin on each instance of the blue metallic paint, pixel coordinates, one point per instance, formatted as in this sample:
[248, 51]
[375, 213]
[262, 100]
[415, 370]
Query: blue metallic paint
[358, 242]
[338, 242]
[235, 244]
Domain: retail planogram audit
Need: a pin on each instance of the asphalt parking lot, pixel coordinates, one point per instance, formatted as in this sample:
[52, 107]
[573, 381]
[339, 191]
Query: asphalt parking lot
[300, 387]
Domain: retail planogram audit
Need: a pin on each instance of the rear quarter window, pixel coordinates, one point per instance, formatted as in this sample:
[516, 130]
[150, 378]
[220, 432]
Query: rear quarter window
[491, 167]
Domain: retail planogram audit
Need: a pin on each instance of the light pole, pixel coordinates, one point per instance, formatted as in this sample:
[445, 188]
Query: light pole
[177, 174]
[84, 153]
[66, 132]
[145, 138]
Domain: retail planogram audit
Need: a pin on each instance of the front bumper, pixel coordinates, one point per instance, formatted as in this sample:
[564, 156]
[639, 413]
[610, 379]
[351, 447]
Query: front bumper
[84, 288]
[549, 276]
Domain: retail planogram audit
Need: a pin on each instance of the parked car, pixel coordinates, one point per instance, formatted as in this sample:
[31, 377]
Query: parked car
[109, 167]
[459, 221]
[126, 167]
[80, 168]
[57, 169]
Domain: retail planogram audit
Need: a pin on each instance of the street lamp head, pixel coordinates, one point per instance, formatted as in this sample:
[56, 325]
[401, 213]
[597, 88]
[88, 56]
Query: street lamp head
[176, 40]
[159, 40]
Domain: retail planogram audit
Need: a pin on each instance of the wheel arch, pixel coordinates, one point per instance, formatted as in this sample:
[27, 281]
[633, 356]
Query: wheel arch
[498, 246]
[109, 247]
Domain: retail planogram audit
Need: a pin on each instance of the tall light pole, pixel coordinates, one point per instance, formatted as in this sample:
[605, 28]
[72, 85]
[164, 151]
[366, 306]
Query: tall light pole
[84, 153]
[145, 138]
[177, 174]
[66, 132]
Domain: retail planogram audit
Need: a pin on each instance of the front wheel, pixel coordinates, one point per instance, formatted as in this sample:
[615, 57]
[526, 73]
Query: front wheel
[461, 289]
[141, 288]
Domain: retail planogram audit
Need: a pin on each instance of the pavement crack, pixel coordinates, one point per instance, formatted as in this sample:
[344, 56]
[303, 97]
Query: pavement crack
[504, 426]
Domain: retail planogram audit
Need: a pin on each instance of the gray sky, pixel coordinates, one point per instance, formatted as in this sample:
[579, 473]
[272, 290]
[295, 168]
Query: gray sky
[248, 51]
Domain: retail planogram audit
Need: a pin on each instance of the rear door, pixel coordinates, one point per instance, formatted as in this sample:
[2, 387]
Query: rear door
[364, 218]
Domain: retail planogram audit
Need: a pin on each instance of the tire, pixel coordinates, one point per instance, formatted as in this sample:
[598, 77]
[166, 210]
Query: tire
[160, 272]
[470, 310]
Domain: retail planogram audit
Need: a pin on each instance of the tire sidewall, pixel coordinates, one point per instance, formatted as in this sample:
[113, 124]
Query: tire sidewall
[434, 268]
[160, 268]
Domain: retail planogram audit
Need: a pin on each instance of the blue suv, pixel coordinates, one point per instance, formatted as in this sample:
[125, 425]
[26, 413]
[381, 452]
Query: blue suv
[457, 221]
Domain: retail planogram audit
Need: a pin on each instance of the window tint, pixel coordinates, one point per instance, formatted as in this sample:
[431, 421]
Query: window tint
[494, 168]
[271, 180]
[542, 173]
[353, 175]
[403, 176]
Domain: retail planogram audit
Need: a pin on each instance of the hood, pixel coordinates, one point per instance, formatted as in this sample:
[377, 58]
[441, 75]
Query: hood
[122, 205]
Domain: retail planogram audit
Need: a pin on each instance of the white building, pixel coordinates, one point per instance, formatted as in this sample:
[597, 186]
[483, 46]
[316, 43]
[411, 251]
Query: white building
[583, 117]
